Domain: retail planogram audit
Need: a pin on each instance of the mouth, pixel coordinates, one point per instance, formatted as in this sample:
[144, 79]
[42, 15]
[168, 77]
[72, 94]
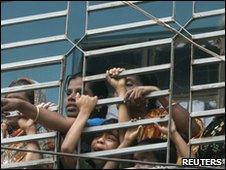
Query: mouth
[98, 148]
[71, 108]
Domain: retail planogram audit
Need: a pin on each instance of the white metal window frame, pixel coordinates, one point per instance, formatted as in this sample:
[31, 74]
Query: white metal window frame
[62, 60]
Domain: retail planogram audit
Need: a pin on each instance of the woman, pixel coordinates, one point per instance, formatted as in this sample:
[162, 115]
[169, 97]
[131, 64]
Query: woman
[15, 125]
[133, 90]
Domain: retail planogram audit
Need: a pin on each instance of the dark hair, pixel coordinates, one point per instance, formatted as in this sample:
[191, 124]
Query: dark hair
[160, 155]
[99, 89]
[24, 81]
[145, 79]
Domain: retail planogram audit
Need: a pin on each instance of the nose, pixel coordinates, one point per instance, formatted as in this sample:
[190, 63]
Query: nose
[71, 97]
[101, 140]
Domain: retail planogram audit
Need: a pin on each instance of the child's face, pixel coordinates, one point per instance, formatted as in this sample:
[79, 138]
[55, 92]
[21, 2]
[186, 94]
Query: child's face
[105, 141]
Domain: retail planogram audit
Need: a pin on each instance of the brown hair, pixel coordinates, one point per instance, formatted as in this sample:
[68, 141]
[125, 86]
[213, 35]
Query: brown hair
[24, 81]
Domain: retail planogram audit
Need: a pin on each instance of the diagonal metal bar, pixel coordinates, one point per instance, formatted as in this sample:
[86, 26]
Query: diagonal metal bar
[171, 29]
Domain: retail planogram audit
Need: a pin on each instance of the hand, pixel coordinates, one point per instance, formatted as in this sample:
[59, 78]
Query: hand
[45, 105]
[164, 129]
[27, 125]
[10, 104]
[139, 92]
[86, 103]
[132, 134]
[112, 78]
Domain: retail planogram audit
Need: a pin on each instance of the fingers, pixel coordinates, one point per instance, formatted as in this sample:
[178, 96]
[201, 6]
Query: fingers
[108, 76]
[77, 96]
[128, 94]
[114, 72]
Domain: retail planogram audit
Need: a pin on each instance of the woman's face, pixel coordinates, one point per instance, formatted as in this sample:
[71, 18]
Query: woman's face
[132, 82]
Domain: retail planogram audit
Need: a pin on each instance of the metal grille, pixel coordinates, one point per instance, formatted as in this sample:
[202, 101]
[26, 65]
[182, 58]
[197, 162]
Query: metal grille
[86, 54]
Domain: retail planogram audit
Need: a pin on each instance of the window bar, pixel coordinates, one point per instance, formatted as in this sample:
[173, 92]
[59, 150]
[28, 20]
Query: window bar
[83, 75]
[28, 164]
[212, 112]
[28, 138]
[122, 150]
[208, 60]
[32, 18]
[215, 139]
[60, 104]
[135, 71]
[125, 124]
[114, 100]
[31, 63]
[193, 8]
[128, 47]
[174, 11]
[67, 18]
[208, 34]
[208, 86]
[33, 42]
[190, 101]
[36, 86]
[123, 27]
[170, 100]
[103, 6]
[208, 13]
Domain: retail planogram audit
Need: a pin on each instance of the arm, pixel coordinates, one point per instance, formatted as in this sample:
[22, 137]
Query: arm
[179, 114]
[181, 117]
[119, 86]
[86, 105]
[180, 144]
[29, 127]
[49, 119]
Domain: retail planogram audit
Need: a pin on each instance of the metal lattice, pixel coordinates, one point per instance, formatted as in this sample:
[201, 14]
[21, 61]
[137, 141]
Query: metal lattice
[86, 54]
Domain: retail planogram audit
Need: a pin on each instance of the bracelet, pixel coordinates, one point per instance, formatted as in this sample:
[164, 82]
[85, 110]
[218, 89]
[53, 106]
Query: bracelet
[172, 105]
[37, 115]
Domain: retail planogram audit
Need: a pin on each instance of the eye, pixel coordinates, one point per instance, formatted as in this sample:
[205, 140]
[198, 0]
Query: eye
[111, 138]
[129, 83]
[68, 92]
